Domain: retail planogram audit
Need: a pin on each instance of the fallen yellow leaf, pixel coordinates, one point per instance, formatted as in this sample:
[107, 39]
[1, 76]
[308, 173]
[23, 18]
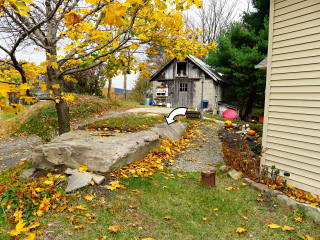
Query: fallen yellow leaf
[81, 207]
[204, 219]
[83, 167]
[241, 230]
[114, 228]
[167, 217]
[245, 218]
[274, 226]
[287, 228]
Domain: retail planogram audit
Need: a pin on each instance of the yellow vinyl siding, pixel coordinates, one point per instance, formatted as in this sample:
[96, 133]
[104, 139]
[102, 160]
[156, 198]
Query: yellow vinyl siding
[294, 35]
[297, 55]
[297, 117]
[299, 68]
[296, 62]
[299, 96]
[295, 103]
[297, 27]
[291, 14]
[299, 19]
[291, 132]
[295, 144]
[283, 4]
[297, 48]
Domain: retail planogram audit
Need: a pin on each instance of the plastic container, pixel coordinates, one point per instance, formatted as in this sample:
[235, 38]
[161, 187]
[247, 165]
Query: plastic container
[146, 101]
[209, 177]
[205, 103]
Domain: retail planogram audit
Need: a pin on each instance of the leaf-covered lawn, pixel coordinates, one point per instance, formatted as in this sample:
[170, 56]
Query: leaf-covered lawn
[146, 200]
[172, 205]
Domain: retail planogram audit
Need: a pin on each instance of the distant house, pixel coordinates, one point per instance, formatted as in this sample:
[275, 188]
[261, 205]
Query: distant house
[291, 131]
[178, 83]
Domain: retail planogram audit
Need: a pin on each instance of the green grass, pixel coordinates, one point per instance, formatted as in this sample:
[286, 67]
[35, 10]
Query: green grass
[43, 122]
[126, 123]
[187, 202]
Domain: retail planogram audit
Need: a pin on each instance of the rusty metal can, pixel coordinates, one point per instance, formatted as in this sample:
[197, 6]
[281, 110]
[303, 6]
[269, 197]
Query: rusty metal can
[208, 177]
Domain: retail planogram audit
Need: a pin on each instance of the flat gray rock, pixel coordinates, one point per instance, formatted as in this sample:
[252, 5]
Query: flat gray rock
[71, 171]
[98, 179]
[273, 192]
[234, 174]
[287, 200]
[311, 210]
[223, 168]
[173, 131]
[99, 153]
[78, 180]
[27, 173]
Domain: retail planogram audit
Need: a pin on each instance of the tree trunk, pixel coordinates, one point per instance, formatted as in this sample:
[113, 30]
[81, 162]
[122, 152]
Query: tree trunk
[250, 102]
[109, 87]
[62, 109]
[125, 86]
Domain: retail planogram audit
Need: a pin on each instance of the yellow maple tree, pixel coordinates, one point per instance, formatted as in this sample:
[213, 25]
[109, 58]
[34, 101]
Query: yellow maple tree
[76, 36]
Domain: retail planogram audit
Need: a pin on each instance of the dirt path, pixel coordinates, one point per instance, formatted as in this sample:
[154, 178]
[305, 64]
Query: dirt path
[203, 152]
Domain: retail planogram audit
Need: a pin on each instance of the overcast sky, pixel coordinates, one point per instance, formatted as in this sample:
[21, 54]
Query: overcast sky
[117, 82]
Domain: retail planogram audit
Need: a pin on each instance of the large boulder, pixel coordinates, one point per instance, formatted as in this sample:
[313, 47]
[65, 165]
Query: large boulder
[99, 153]
[173, 131]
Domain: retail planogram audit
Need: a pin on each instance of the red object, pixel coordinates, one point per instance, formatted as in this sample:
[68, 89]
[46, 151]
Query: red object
[230, 114]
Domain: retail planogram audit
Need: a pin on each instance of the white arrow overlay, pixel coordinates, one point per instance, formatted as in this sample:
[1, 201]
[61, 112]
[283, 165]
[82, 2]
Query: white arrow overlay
[174, 113]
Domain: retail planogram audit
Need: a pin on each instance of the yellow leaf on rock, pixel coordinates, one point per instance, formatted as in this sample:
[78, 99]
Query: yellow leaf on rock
[274, 226]
[84, 167]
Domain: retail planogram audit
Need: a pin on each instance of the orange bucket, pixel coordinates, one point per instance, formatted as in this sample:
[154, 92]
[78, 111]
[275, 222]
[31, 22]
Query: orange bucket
[209, 177]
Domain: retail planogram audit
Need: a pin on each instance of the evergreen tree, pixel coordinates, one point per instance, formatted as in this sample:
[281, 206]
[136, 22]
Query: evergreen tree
[239, 49]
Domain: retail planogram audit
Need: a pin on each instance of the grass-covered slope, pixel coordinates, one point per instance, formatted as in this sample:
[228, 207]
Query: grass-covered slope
[41, 119]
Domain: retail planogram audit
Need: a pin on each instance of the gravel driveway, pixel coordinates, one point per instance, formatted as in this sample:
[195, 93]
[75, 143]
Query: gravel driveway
[203, 153]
